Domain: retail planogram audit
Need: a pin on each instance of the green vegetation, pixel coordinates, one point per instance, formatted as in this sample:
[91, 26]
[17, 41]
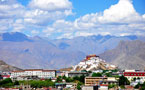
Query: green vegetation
[140, 86]
[79, 85]
[40, 84]
[123, 81]
[59, 79]
[112, 85]
[34, 83]
[108, 74]
[16, 83]
[6, 83]
[97, 75]
[79, 80]
[134, 79]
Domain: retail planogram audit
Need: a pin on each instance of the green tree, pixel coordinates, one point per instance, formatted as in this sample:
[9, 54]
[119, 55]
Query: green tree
[141, 86]
[6, 83]
[96, 75]
[111, 85]
[16, 83]
[123, 81]
[108, 74]
[82, 79]
[59, 79]
[40, 84]
[76, 78]
[137, 86]
[34, 84]
[64, 77]
[115, 70]
[134, 79]
[138, 78]
[104, 71]
[79, 85]
[69, 79]
[50, 83]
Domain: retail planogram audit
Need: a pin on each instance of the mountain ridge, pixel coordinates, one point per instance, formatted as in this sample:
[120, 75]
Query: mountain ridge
[37, 52]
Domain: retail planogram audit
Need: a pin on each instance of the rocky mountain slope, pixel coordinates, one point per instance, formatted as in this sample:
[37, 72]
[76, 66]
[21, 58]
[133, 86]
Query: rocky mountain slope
[127, 55]
[26, 52]
[6, 67]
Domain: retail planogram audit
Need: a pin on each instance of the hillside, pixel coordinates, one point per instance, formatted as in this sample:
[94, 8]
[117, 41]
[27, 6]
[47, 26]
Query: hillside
[6, 67]
[127, 55]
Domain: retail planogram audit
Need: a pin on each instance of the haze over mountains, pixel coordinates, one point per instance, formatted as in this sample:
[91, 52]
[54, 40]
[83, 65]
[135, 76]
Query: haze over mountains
[22, 51]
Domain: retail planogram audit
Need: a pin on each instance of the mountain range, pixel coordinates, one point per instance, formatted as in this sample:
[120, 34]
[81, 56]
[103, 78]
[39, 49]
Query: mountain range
[25, 52]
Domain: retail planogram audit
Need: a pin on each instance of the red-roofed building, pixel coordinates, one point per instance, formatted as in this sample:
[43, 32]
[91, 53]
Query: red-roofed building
[5, 76]
[131, 75]
[89, 56]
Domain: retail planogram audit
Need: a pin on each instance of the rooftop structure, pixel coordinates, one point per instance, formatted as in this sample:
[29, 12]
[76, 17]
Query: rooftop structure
[132, 75]
[73, 74]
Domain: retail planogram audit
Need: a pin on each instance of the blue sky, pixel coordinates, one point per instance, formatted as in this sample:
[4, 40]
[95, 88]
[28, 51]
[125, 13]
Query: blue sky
[72, 18]
[82, 7]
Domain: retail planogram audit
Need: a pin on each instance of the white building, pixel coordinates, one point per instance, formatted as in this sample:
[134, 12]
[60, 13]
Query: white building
[40, 73]
[134, 75]
[91, 62]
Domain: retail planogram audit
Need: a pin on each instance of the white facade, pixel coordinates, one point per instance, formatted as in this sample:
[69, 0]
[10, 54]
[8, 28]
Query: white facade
[91, 62]
[35, 72]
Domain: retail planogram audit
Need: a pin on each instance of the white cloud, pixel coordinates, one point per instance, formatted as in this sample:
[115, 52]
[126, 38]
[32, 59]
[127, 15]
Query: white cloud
[47, 17]
[51, 5]
[43, 12]
[62, 24]
[18, 25]
[10, 10]
[84, 34]
[121, 12]
[43, 18]
[119, 18]
[34, 32]
[35, 18]
[66, 35]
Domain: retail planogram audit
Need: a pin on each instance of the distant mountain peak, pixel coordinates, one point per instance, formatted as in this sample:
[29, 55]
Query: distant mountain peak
[15, 37]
